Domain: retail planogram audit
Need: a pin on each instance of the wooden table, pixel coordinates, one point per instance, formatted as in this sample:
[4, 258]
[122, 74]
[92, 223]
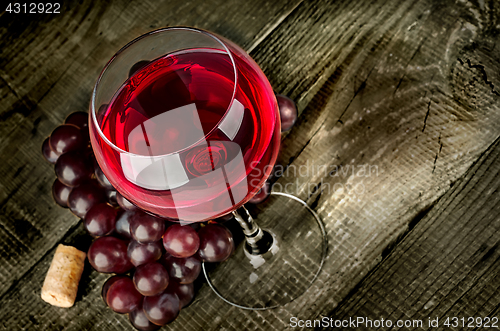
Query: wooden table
[410, 88]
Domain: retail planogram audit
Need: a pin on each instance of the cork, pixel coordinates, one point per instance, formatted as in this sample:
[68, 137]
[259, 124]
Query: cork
[61, 282]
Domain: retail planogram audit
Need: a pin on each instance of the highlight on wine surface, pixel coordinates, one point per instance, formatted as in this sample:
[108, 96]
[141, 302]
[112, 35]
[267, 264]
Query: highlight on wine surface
[189, 133]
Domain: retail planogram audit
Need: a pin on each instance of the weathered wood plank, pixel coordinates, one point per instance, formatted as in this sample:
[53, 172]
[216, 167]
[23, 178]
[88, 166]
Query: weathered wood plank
[404, 105]
[38, 315]
[37, 50]
[48, 68]
[17, 238]
[445, 267]
[371, 109]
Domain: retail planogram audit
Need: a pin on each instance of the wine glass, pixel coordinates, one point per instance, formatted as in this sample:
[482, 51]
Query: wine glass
[185, 125]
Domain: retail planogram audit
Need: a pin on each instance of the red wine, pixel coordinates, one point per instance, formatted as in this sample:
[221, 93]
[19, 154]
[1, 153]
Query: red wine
[179, 145]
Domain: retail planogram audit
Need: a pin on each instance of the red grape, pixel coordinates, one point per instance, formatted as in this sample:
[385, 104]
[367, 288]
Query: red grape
[262, 194]
[122, 296]
[122, 225]
[162, 308]
[109, 254]
[150, 278]
[48, 153]
[146, 228]
[66, 138]
[181, 241]
[110, 281]
[100, 220]
[288, 112]
[141, 253]
[185, 292]
[183, 270]
[61, 192]
[101, 178]
[124, 203]
[84, 197]
[140, 321]
[73, 168]
[216, 243]
[136, 67]
[81, 120]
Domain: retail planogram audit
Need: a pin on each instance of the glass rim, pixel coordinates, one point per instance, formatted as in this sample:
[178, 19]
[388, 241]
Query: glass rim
[97, 85]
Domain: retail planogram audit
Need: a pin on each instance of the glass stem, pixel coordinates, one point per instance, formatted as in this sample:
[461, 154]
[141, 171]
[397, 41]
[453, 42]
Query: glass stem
[258, 241]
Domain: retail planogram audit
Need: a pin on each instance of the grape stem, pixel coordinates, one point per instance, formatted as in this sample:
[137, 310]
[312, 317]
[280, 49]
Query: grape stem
[258, 241]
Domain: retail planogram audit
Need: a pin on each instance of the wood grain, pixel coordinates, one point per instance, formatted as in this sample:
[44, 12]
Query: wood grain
[48, 66]
[406, 87]
[445, 267]
[399, 105]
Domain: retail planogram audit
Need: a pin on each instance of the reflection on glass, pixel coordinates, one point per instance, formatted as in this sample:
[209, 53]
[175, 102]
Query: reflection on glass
[206, 162]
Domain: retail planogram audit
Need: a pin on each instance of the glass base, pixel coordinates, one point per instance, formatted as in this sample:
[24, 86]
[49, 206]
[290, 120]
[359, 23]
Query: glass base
[287, 270]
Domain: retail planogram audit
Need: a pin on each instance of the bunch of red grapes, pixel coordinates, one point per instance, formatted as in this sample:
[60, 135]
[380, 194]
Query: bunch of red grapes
[155, 260]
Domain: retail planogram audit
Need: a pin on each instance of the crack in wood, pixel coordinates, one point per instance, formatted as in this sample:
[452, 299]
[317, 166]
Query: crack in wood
[408, 63]
[439, 152]
[18, 171]
[489, 253]
[360, 88]
[484, 76]
[427, 115]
